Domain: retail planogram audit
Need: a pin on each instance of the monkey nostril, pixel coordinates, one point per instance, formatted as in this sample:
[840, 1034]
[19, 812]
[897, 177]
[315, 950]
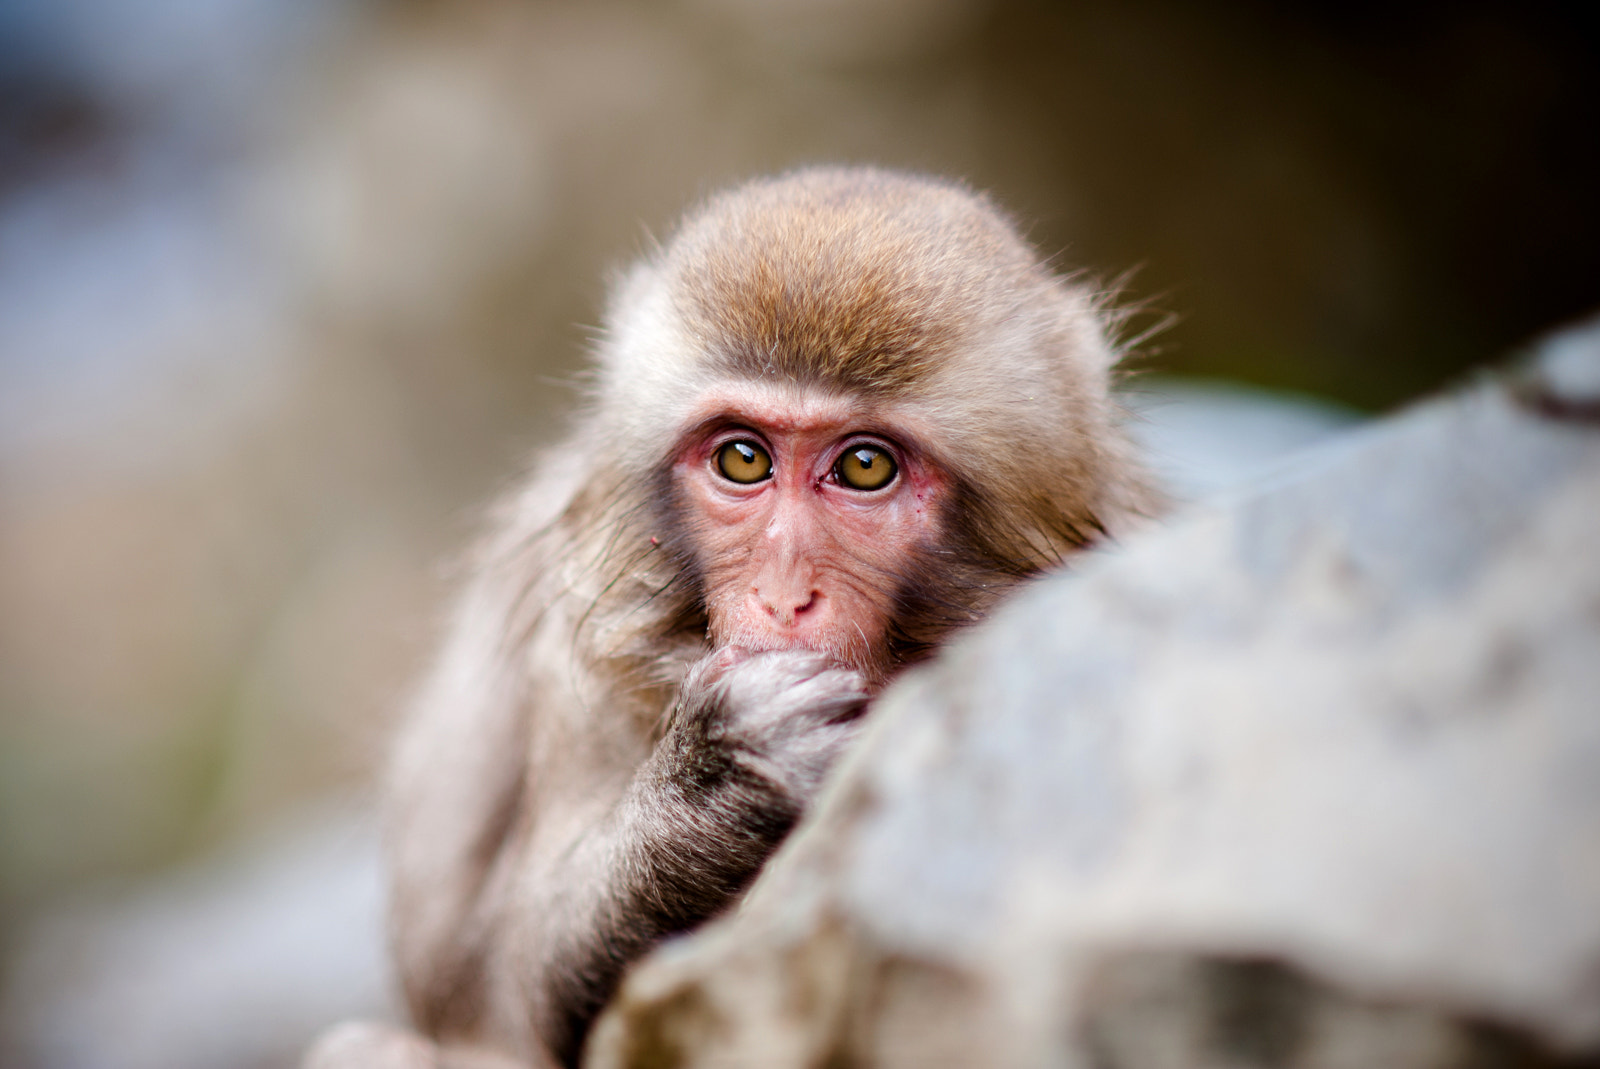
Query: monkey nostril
[786, 610]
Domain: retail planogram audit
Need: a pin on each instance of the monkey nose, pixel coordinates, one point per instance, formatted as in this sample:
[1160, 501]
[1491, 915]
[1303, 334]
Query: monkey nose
[786, 607]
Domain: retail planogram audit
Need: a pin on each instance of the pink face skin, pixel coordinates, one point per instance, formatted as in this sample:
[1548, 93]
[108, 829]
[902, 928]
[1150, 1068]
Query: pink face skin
[800, 559]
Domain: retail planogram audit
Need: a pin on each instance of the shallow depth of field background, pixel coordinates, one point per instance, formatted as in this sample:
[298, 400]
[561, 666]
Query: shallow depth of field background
[289, 288]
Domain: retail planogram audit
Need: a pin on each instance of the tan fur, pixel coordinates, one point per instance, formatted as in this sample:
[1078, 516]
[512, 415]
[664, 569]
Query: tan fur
[912, 296]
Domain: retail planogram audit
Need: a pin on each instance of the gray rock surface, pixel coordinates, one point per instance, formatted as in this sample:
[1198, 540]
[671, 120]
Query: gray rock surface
[1308, 779]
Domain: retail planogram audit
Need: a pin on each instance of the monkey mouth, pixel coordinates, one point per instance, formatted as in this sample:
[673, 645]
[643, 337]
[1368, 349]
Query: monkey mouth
[849, 651]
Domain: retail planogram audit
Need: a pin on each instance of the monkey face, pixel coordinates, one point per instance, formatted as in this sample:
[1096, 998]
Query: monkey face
[804, 511]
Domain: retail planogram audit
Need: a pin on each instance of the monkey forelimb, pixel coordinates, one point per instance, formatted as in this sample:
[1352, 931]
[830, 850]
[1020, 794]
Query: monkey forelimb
[749, 743]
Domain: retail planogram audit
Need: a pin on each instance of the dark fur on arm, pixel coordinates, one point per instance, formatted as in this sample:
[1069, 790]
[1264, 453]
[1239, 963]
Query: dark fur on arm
[696, 824]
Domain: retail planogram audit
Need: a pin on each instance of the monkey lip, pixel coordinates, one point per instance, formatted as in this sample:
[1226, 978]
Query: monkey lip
[762, 631]
[748, 641]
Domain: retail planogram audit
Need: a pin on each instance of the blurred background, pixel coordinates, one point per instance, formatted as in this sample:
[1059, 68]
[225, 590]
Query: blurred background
[289, 288]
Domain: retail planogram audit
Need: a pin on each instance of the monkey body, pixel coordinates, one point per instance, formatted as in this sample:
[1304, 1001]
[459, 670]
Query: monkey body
[834, 418]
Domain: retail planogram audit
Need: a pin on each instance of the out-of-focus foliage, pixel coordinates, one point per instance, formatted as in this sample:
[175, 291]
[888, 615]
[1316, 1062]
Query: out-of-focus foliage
[287, 287]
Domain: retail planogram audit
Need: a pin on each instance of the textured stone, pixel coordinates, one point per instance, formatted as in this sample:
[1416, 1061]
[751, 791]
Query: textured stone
[1308, 779]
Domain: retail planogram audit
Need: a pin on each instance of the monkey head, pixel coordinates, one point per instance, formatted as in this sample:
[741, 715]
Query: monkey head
[865, 407]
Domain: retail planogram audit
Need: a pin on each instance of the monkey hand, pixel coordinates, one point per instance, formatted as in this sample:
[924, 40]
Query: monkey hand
[751, 740]
[779, 717]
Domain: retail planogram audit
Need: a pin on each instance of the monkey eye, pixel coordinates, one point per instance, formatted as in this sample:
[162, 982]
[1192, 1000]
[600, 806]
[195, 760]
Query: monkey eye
[865, 467]
[744, 462]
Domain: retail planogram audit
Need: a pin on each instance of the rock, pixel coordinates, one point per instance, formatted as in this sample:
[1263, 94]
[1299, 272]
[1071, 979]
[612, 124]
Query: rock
[1310, 778]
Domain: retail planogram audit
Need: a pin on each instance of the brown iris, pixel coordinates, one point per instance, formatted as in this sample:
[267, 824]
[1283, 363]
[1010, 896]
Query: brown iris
[744, 462]
[865, 467]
